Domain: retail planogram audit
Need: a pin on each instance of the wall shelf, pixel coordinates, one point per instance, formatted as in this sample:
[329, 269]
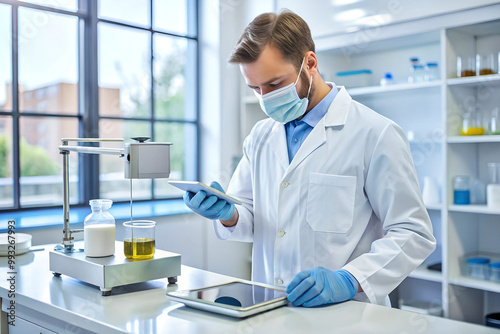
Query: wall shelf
[473, 139]
[483, 209]
[425, 274]
[359, 91]
[434, 207]
[476, 284]
[487, 80]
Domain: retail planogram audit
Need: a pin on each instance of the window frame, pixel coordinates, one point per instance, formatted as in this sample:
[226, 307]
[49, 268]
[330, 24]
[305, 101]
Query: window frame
[88, 94]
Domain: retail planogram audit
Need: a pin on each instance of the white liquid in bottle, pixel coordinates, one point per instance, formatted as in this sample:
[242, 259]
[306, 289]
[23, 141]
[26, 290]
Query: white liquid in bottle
[99, 240]
[493, 196]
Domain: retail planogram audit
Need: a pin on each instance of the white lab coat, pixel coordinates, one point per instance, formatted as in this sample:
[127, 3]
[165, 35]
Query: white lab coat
[349, 199]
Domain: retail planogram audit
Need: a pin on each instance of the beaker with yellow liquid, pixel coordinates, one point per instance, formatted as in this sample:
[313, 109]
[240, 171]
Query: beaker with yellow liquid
[139, 240]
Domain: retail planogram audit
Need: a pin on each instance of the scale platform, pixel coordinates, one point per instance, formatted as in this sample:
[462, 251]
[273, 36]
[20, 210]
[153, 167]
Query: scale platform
[111, 271]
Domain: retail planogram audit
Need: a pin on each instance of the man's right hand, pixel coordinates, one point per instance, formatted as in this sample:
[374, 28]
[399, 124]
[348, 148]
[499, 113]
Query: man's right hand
[210, 207]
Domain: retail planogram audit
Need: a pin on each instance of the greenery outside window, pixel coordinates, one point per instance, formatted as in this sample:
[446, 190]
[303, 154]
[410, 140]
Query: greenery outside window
[107, 68]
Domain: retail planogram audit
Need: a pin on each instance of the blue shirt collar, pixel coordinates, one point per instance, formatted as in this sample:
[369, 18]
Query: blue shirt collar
[318, 112]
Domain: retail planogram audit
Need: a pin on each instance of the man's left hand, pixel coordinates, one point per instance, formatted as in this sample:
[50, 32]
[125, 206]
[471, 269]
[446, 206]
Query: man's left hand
[320, 286]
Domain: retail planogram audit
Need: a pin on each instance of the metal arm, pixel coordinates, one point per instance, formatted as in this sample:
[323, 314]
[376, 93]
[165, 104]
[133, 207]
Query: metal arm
[68, 240]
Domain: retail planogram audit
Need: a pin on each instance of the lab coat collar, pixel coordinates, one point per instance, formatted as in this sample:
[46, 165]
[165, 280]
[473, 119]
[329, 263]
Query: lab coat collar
[277, 141]
[336, 116]
[339, 109]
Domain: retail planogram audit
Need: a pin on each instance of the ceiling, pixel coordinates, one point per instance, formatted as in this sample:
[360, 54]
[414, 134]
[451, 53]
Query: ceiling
[327, 17]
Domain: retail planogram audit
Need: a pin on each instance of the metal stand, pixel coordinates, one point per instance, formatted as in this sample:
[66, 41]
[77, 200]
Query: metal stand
[110, 271]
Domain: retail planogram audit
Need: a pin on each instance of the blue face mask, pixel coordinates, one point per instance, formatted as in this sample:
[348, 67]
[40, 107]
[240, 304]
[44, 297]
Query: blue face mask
[284, 104]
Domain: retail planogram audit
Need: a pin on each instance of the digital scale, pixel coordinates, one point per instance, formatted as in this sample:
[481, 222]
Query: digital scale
[111, 271]
[142, 160]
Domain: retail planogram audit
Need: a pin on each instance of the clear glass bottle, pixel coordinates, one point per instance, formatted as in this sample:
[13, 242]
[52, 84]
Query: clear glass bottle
[493, 188]
[99, 229]
[387, 79]
[419, 73]
[413, 63]
[461, 190]
[431, 71]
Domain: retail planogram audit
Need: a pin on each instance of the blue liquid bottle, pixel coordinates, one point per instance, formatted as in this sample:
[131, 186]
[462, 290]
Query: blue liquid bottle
[461, 190]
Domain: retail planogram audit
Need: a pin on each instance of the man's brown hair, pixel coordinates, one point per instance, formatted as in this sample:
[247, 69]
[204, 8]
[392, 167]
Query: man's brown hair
[286, 31]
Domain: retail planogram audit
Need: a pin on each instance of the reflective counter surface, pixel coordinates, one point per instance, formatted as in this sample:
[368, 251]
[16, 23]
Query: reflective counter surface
[65, 305]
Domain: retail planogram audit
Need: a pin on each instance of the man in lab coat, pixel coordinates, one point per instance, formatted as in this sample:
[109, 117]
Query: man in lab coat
[330, 195]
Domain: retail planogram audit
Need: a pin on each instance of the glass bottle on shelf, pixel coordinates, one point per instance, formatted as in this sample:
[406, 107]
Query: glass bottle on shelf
[461, 190]
[431, 71]
[419, 73]
[413, 63]
[493, 188]
[387, 79]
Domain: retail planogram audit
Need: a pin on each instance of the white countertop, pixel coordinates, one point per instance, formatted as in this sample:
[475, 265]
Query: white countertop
[144, 307]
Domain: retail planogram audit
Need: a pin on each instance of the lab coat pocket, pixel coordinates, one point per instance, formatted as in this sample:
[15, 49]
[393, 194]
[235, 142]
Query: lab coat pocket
[330, 202]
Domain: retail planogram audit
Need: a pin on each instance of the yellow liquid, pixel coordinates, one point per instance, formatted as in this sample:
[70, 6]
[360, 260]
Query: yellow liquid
[139, 249]
[473, 132]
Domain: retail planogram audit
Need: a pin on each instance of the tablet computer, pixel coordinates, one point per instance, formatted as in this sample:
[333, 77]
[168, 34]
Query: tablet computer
[236, 299]
[195, 186]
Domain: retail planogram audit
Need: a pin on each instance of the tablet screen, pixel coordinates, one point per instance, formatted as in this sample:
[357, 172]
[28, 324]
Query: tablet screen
[237, 294]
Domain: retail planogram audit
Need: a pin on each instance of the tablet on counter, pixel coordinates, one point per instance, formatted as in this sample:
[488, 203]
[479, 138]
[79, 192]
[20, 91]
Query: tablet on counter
[195, 186]
[235, 299]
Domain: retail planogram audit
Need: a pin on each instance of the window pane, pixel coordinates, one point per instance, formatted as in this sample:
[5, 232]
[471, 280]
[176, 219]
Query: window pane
[174, 77]
[182, 154]
[62, 4]
[6, 183]
[41, 163]
[177, 16]
[124, 71]
[134, 12]
[112, 183]
[48, 71]
[5, 58]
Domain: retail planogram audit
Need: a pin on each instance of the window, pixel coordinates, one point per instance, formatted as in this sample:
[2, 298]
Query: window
[109, 68]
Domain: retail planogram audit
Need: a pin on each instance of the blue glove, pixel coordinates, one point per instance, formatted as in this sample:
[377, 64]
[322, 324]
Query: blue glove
[319, 286]
[210, 207]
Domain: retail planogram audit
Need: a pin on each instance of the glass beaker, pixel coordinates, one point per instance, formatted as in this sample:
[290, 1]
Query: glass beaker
[466, 66]
[494, 123]
[472, 122]
[139, 240]
[485, 64]
[461, 190]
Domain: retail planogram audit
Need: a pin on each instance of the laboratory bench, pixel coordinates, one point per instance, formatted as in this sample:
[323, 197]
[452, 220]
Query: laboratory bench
[48, 304]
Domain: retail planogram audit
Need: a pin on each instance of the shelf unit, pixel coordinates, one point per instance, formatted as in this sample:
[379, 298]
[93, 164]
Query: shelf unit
[430, 114]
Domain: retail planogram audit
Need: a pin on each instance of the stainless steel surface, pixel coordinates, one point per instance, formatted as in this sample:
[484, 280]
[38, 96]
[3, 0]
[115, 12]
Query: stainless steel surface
[92, 150]
[92, 140]
[111, 271]
[147, 160]
[68, 240]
